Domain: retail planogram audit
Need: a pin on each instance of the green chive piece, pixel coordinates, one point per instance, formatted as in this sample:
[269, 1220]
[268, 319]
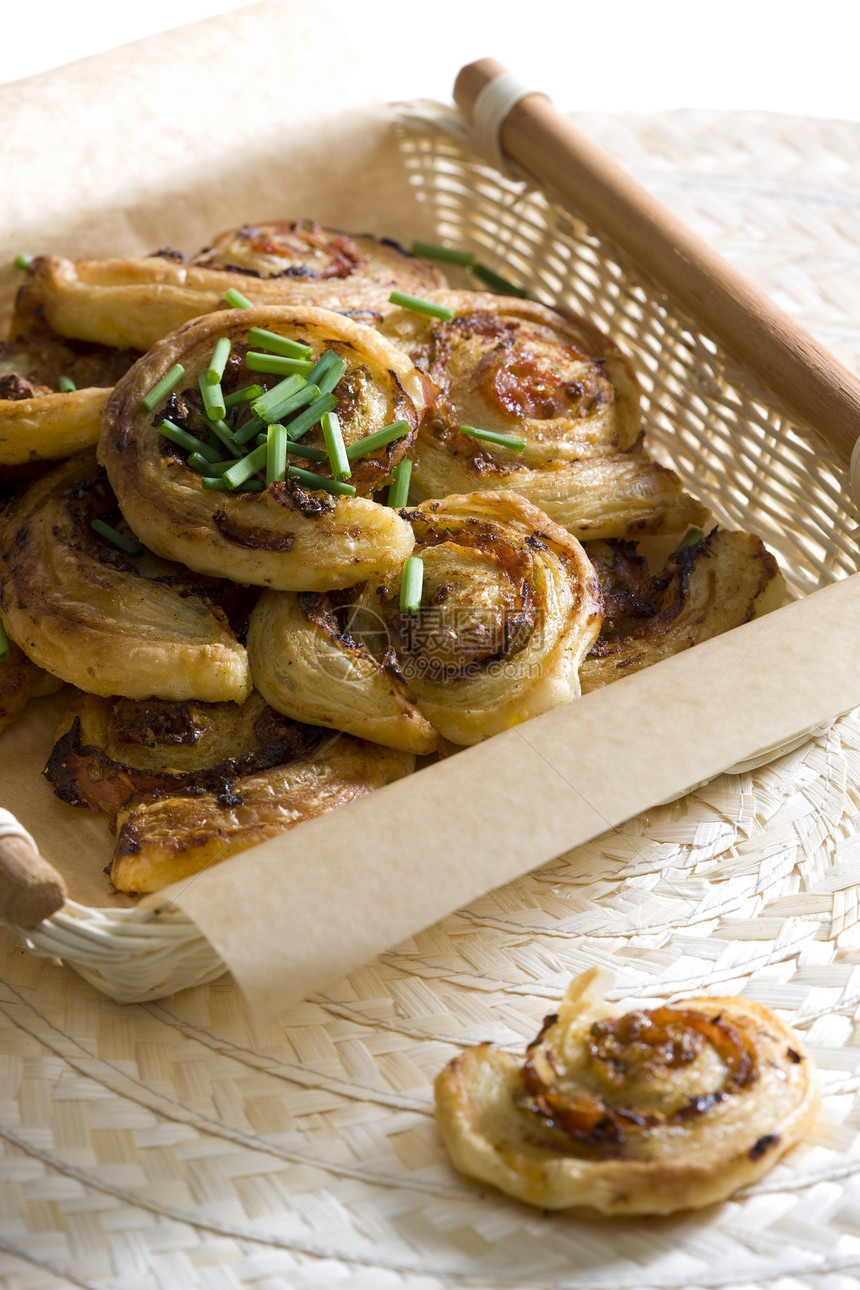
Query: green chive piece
[20, 262]
[225, 434]
[276, 454]
[165, 386]
[328, 370]
[311, 416]
[378, 439]
[690, 538]
[398, 493]
[334, 446]
[216, 482]
[256, 361]
[207, 467]
[246, 395]
[4, 644]
[276, 344]
[213, 399]
[411, 584]
[130, 545]
[246, 432]
[503, 440]
[420, 306]
[187, 441]
[65, 384]
[242, 470]
[305, 450]
[497, 282]
[269, 405]
[430, 251]
[218, 361]
[236, 300]
[320, 481]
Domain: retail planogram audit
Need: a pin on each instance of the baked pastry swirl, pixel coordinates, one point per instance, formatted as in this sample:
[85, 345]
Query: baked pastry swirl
[135, 302]
[509, 607]
[718, 582]
[641, 1112]
[289, 535]
[89, 613]
[558, 385]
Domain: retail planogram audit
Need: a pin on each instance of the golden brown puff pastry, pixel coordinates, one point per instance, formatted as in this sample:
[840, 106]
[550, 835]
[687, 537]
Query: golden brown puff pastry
[85, 611]
[510, 606]
[107, 749]
[285, 536]
[39, 422]
[641, 1112]
[517, 368]
[136, 302]
[708, 587]
[166, 838]
[21, 681]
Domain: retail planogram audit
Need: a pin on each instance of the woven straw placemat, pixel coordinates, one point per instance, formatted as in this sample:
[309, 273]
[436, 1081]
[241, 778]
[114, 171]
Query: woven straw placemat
[182, 1144]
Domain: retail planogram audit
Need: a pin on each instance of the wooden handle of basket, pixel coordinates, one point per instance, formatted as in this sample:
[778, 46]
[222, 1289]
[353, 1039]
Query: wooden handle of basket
[30, 889]
[791, 363]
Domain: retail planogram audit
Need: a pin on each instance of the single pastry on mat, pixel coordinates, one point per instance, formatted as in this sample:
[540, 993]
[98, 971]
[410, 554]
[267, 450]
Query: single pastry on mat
[134, 302]
[235, 477]
[52, 396]
[709, 585]
[541, 402]
[507, 608]
[643, 1111]
[108, 618]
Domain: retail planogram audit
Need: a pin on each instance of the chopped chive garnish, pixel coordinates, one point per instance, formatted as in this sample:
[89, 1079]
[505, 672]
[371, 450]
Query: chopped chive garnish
[334, 446]
[270, 405]
[165, 386]
[276, 344]
[503, 440]
[187, 441]
[305, 450]
[65, 384]
[218, 361]
[690, 538]
[327, 371]
[207, 467]
[242, 470]
[378, 439]
[216, 482]
[411, 584]
[311, 416]
[430, 251]
[398, 493]
[225, 434]
[246, 432]
[420, 306]
[245, 395]
[320, 481]
[236, 300]
[255, 361]
[22, 260]
[130, 545]
[497, 282]
[4, 643]
[276, 454]
[213, 399]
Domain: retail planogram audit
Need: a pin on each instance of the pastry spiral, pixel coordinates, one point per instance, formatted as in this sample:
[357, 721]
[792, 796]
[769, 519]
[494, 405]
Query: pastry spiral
[510, 606]
[648, 1112]
[722, 580]
[135, 302]
[86, 612]
[285, 536]
[554, 382]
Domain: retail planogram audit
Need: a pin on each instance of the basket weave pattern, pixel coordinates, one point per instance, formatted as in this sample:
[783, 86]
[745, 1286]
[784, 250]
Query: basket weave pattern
[180, 1143]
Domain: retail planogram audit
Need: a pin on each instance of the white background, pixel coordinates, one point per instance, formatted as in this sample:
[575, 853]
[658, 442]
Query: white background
[604, 55]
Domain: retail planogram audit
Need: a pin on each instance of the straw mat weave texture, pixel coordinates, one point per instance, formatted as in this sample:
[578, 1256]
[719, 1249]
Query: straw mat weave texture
[180, 1144]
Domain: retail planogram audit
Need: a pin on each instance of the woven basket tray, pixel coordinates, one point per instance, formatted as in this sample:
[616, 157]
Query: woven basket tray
[731, 442]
